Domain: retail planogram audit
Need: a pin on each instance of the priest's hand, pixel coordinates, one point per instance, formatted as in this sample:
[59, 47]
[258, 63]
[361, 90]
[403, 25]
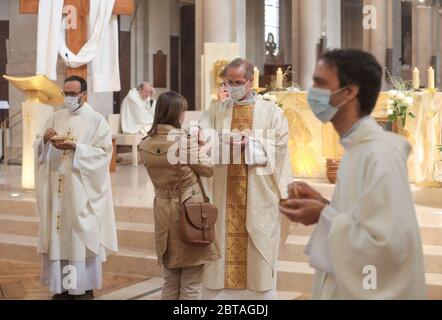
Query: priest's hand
[49, 134]
[223, 94]
[301, 190]
[305, 211]
[65, 146]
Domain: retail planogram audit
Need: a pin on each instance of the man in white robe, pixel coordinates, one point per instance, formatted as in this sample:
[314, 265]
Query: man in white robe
[249, 245]
[138, 110]
[366, 244]
[74, 196]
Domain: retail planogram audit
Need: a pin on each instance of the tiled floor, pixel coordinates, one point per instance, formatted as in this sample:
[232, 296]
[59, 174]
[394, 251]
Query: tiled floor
[21, 281]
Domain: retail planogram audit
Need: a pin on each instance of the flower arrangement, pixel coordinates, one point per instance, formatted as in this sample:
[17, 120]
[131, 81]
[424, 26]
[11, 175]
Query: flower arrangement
[400, 100]
[270, 97]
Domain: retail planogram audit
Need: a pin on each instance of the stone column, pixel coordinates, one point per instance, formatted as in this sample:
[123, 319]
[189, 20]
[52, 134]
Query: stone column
[239, 25]
[378, 39]
[137, 46]
[440, 47]
[310, 28]
[334, 24]
[394, 39]
[422, 47]
[217, 20]
[159, 30]
[435, 54]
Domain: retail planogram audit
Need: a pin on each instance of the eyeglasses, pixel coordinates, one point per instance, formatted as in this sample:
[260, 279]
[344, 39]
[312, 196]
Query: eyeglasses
[236, 83]
[71, 93]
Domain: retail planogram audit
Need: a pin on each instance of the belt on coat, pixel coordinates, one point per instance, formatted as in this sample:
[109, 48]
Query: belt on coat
[175, 193]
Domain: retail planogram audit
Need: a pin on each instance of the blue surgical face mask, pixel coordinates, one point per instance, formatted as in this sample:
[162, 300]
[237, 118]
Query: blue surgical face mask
[237, 93]
[319, 101]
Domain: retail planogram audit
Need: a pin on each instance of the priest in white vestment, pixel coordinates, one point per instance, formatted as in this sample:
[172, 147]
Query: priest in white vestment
[138, 110]
[246, 190]
[366, 244]
[73, 190]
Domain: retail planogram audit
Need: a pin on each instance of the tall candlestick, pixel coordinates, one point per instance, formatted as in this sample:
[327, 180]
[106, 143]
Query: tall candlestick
[416, 79]
[255, 78]
[279, 83]
[431, 78]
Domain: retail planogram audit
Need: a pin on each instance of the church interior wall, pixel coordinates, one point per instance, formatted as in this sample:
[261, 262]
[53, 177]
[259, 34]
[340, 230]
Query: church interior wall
[4, 10]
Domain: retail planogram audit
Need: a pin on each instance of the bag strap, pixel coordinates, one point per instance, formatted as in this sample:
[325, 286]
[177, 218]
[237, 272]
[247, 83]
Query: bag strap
[180, 180]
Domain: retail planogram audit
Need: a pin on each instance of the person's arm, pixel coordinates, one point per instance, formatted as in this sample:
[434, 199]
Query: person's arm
[198, 159]
[274, 143]
[377, 232]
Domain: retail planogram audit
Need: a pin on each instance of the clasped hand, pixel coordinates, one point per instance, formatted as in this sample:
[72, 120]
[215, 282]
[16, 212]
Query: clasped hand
[64, 146]
[304, 204]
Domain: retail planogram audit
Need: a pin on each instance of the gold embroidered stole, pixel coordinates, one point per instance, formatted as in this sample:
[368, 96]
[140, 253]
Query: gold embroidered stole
[236, 208]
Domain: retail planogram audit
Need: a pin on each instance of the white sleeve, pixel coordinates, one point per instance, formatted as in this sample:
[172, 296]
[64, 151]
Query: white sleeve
[255, 153]
[318, 249]
[43, 150]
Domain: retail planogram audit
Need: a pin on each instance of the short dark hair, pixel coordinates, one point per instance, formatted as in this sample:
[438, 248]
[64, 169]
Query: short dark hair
[240, 62]
[170, 106]
[83, 83]
[356, 67]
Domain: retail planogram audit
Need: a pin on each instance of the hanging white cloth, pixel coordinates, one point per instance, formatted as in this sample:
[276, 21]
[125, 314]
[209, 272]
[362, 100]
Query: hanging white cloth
[101, 49]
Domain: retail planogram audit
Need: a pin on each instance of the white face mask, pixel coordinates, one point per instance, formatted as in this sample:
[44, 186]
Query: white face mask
[72, 103]
[237, 93]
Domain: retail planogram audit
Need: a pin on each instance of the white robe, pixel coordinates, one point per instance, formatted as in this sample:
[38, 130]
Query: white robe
[137, 115]
[82, 208]
[370, 230]
[266, 186]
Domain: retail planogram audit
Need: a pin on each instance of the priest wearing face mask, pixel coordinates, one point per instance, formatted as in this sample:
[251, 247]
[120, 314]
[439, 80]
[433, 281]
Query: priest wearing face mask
[74, 197]
[366, 244]
[249, 137]
[138, 110]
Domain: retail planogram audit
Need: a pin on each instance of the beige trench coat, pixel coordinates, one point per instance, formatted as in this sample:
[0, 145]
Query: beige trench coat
[171, 252]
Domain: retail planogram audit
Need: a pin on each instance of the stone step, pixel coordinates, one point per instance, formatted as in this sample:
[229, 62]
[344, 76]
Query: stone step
[292, 276]
[296, 276]
[151, 290]
[126, 261]
[130, 234]
[24, 204]
[141, 236]
[293, 250]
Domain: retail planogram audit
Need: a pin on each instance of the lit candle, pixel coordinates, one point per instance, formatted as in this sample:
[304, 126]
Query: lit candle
[279, 84]
[431, 78]
[255, 78]
[416, 79]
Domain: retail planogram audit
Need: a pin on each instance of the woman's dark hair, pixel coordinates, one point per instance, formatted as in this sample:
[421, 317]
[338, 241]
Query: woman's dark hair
[359, 68]
[170, 107]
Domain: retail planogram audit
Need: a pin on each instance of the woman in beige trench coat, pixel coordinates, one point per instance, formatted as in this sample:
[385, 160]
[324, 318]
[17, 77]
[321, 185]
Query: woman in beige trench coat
[182, 263]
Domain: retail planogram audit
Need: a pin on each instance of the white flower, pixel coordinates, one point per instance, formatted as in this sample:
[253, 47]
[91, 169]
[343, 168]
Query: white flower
[409, 101]
[392, 93]
[273, 98]
[389, 111]
[400, 96]
[389, 103]
[266, 96]
[260, 97]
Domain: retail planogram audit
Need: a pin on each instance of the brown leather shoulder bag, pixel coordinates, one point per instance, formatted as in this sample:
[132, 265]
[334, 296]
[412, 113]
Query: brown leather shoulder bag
[196, 219]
